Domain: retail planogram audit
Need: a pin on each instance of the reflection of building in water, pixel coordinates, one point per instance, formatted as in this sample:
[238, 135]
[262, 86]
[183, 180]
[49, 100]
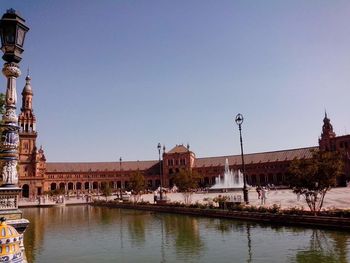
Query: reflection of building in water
[185, 231]
[34, 234]
[37, 176]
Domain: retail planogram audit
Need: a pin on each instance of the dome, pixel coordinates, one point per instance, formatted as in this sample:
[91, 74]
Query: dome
[27, 87]
[10, 241]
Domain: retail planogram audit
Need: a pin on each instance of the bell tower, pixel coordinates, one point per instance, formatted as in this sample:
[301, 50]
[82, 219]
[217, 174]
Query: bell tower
[31, 160]
[27, 132]
[326, 141]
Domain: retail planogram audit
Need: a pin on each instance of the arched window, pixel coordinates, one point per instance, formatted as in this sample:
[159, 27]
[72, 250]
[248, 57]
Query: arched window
[25, 190]
[53, 186]
[70, 186]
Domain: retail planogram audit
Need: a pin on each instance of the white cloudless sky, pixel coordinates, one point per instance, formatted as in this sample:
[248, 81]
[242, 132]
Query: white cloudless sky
[113, 78]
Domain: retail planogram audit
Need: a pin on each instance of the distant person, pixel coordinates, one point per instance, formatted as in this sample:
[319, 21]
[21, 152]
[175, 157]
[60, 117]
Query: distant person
[155, 197]
[264, 192]
[258, 190]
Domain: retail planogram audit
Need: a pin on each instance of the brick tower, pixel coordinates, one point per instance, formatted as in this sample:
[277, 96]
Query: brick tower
[326, 141]
[31, 160]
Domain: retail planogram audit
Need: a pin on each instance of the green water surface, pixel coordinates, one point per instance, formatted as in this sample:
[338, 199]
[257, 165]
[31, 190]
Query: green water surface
[95, 234]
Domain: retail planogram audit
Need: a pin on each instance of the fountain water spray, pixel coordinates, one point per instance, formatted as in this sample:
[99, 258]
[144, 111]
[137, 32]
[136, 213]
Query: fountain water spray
[229, 180]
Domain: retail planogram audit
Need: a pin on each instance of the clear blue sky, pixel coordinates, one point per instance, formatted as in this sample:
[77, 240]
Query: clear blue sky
[114, 78]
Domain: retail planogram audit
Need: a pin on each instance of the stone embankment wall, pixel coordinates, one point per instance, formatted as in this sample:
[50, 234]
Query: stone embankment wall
[270, 218]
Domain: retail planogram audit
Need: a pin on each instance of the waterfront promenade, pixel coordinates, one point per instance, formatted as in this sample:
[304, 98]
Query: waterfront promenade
[335, 198]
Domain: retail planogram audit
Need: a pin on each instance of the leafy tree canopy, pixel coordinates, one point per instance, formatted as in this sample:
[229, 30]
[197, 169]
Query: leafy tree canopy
[138, 182]
[106, 189]
[313, 177]
[186, 180]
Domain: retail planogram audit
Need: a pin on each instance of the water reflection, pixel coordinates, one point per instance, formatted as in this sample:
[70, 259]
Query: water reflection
[184, 231]
[136, 226]
[325, 248]
[89, 234]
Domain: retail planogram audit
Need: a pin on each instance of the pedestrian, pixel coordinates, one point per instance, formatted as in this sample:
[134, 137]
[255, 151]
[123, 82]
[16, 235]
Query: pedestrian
[258, 190]
[264, 192]
[155, 197]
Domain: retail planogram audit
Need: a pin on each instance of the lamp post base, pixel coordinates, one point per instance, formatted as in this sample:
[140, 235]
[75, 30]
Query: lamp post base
[245, 195]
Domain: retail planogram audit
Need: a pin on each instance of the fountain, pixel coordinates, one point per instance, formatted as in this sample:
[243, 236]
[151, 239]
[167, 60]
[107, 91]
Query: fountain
[229, 181]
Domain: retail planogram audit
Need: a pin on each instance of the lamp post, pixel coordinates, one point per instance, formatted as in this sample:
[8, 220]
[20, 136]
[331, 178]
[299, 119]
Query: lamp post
[239, 121]
[159, 146]
[13, 31]
[120, 170]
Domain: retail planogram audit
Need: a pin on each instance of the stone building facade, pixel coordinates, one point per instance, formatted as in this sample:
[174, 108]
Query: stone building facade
[36, 176]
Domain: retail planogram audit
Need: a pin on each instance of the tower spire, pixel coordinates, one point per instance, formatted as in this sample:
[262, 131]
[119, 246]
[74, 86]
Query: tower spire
[26, 119]
[327, 133]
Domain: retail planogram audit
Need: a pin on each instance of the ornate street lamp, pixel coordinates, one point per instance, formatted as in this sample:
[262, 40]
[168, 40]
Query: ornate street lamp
[239, 121]
[159, 146]
[12, 31]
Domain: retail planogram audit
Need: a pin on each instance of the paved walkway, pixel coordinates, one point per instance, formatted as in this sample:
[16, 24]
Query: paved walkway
[337, 197]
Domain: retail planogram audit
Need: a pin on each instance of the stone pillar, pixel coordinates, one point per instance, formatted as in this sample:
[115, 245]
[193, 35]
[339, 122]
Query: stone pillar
[10, 139]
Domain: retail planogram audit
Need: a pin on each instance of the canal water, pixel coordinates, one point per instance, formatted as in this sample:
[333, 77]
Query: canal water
[96, 234]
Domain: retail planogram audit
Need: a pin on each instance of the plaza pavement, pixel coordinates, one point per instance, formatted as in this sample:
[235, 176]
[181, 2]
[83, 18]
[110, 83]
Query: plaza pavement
[335, 198]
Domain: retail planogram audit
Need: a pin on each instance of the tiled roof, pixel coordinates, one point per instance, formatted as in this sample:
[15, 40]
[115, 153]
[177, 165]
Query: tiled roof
[264, 157]
[178, 149]
[99, 166]
[253, 158]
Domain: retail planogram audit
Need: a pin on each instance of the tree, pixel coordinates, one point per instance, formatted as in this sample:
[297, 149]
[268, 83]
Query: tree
[315, 176]
[186, 181]
[137, 184]
[106, 190]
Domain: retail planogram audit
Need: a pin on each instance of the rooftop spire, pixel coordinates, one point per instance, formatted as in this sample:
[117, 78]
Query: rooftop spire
[27, 87]
[327, 128]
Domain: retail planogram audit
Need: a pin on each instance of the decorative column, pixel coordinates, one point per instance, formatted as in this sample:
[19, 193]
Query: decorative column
[9, 138]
